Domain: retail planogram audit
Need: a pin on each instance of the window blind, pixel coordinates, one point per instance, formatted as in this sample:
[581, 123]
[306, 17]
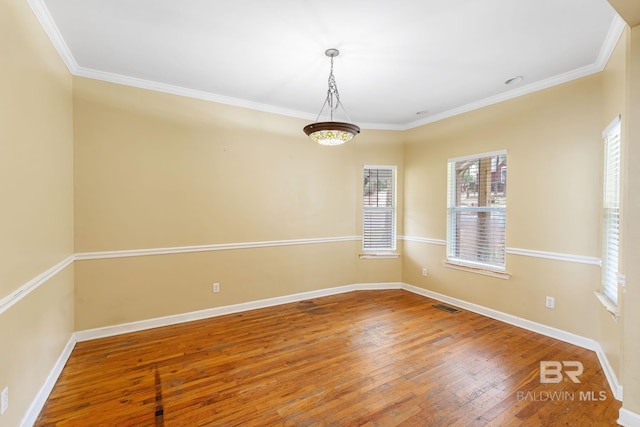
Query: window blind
[477, 202]
[378, 209]
[611, 211]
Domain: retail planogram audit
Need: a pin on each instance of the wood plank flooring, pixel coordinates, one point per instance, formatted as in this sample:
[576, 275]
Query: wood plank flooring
[365, 358]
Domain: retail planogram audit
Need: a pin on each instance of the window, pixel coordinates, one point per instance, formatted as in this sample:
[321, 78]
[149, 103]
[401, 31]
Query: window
[476, 211]
[611, 211]
[379, 209]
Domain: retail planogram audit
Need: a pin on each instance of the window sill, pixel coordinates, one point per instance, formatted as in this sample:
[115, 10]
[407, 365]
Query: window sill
[478, 270]
[608, 304]
[386, 255]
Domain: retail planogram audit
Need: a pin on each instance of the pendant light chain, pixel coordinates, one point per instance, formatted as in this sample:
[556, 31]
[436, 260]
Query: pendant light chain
[333, 97]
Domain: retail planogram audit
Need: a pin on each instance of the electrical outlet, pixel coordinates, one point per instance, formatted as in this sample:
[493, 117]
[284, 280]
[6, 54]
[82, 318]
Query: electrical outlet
[550, 302]
[216, 287]
[4, 400]
[424, 271]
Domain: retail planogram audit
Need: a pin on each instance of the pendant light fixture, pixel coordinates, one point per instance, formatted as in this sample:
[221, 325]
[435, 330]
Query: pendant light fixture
[331, 133]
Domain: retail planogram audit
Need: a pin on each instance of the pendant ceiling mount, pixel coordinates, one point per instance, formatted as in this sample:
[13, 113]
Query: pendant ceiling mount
[331, 132]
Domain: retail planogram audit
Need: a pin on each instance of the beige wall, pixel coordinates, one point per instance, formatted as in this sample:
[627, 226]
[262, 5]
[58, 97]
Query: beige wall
[631, 240]
[155, 170]
[33, 334]
[36, 218]
[614, 79]
[115, 291]
[553, 139]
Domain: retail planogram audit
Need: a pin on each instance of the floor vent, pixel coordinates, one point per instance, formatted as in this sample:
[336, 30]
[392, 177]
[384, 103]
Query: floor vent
[446, 308]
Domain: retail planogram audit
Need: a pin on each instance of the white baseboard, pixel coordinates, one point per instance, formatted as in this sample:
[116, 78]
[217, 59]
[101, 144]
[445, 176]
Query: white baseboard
[549, 331]
[609, 373]
[41, 398]
[90, 334]
[507, 318]
[559, 334]
[628, 418]
[108, 331]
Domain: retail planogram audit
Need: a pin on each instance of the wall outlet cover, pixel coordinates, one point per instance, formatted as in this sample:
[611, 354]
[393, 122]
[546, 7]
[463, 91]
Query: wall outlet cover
[550, 302]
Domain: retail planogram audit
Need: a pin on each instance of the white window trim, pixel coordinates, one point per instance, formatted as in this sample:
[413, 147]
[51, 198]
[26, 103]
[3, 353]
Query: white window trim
[476, 156]
[465, 265]
[478, 269]
[608, 304]
[384, 253]
[379, 255]
[605, 300]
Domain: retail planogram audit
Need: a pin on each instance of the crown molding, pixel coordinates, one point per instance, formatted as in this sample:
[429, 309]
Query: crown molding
[524, 90]
[615, 31]
[186, 92]
[48, 24]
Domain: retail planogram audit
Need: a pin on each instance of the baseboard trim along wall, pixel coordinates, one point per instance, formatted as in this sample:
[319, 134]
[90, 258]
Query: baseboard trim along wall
[41, 398]
[124, 328]
[629, 418]
[559, 334]
[549, 331]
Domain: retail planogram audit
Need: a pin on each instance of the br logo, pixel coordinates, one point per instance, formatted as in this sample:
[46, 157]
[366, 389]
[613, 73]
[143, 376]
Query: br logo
[551, 372]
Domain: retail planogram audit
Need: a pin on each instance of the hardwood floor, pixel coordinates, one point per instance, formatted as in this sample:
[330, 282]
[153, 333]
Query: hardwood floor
[366, 358]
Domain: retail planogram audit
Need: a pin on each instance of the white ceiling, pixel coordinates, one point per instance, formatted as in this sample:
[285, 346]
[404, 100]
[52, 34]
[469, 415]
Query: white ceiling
[396, 57]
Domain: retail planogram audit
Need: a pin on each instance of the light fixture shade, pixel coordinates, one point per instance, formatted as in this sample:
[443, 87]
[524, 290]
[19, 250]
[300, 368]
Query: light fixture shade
[331, 133]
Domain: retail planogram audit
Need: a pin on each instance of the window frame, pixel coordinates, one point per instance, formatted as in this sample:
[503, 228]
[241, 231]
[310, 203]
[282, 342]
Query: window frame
[392, 209]
[611, 203]
[457, 262]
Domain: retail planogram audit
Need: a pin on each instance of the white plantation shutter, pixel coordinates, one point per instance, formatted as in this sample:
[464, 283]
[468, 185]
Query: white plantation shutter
[611, 211]
[477, 205]
[379, 209]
